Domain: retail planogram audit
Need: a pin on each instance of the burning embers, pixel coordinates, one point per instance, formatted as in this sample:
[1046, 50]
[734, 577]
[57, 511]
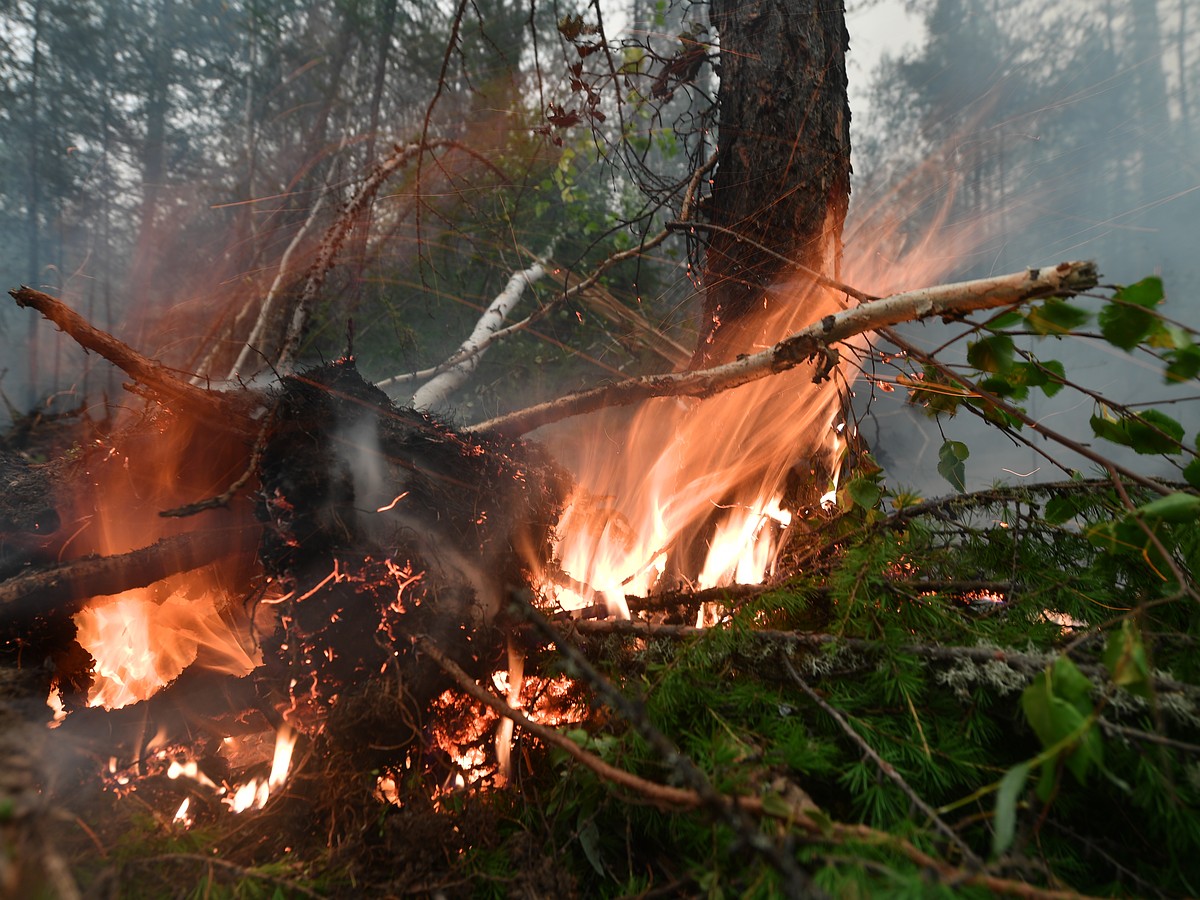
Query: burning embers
[378, 526]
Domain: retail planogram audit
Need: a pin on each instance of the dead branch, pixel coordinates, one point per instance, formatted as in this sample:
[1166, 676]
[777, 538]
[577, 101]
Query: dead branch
[67, 585]
[268, 304]
[682, 767]
[233, 411]
[337, 233]
[799, 813]
[817, 339]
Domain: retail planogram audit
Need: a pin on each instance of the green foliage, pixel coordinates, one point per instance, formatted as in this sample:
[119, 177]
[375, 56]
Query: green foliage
[1128, 319]
[952, 464]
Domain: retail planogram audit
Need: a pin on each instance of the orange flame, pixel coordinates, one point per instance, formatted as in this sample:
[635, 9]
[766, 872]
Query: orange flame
[696, 481]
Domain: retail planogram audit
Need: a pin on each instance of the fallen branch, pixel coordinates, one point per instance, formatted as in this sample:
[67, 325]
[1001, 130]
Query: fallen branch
[797, 811]
[233, 411]
[818, 338]
[67, 585]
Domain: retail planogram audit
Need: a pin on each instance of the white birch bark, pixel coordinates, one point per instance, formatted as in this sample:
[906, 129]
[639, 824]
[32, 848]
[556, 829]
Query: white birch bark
[437, 391]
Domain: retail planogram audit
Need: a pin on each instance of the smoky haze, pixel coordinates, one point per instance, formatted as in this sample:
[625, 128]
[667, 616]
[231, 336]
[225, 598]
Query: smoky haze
[161, 159]
[1042, 135]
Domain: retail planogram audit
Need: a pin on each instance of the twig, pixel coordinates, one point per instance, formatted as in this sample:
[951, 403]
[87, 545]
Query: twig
[658, 794]
[822, 280]
[1147, 737]
[336, 235]
[796, 815]
[1184, 582]
[818, 338]
[885, 767]
[569, 291]
[1020, 415]
[728, 811]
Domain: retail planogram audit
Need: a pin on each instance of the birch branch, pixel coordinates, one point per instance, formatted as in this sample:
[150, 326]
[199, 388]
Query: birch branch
[943, 300]
[435, 392]
[569, 291]
[254, 339]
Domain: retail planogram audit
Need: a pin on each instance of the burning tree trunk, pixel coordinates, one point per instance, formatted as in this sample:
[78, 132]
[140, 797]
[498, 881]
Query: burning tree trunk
[782, 183]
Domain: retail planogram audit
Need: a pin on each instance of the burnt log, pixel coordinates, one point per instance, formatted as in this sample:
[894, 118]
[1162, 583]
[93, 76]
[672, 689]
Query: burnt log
[383, 525]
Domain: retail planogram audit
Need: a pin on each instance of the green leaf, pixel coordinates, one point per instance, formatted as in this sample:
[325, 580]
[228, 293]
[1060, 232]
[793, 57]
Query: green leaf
[1130, 320]
[1006, 320]
[992, 354]
[1125, 658]
[1109, 428]
[1057, 705]
[589, 840]
[864, 492]
[774, 805]
[1055, 376]
[1005, 387]
[1148, 292]
[1183, 365]
[1004, 823]
[1060, 509]
[951, 464]
[1056, 317]
[1147, 432]
[1155, 432]
[1191, 473]
[1071, 684]
[1178, 507]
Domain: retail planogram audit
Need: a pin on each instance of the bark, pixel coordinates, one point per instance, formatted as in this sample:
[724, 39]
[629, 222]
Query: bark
[816, 339]
[434, 393]
[65, 587]
[783, 171]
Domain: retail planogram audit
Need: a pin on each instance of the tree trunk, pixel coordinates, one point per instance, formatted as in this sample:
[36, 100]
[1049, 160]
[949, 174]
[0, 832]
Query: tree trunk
[159, 79]
[33, 210]
[783, 169]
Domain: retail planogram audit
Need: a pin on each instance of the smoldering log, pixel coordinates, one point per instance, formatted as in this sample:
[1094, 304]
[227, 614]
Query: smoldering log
[383, 524]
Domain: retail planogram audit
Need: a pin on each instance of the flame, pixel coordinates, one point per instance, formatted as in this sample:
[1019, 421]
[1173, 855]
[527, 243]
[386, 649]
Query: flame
[255, 792]
[694, 485]
[140, 645]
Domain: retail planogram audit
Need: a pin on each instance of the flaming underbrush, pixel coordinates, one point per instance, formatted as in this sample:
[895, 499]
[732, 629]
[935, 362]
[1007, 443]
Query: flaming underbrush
[910, 682]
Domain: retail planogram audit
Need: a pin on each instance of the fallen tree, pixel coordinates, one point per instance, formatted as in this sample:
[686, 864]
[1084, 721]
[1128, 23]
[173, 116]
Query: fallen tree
[395, 558]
